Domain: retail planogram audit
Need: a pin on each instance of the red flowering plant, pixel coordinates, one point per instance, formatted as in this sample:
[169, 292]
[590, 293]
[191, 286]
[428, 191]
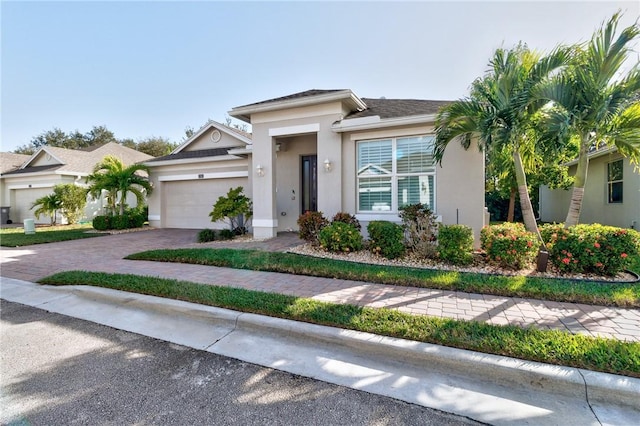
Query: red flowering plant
[509, 245]
[598, 249]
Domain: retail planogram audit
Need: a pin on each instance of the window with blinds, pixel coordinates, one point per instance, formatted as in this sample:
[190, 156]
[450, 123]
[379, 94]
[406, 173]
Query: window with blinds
[395, 172]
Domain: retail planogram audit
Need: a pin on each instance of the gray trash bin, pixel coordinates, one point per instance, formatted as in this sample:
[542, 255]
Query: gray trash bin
[4, 214]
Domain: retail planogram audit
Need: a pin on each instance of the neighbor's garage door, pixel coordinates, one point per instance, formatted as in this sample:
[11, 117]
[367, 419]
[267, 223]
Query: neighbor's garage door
[187, 203]
[24, 199]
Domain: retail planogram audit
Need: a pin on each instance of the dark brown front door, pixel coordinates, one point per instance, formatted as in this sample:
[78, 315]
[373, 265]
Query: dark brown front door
[309, 183]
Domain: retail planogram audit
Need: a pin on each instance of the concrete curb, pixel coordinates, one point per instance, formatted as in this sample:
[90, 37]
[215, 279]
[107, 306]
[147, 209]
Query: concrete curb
[599, 387]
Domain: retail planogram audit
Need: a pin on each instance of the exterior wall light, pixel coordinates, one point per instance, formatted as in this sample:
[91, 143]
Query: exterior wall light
[260, 170]
[327, 165]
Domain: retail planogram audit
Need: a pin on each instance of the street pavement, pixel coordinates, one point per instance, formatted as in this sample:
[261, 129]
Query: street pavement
[58, 370]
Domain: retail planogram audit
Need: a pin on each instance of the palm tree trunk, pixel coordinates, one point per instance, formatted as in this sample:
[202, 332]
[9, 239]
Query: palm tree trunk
[512, 205]
[573, 215]
[525, 202]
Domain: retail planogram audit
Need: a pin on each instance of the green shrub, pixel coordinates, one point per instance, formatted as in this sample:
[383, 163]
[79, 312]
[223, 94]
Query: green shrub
[420, 229]
[594, 248]
[455, 244]
[347, 218]
[310, 224]
[340, 237]
[226, 234]
[235, 207]
[131, 219]
[509, 245]
[101, 223]
[549, 232]
[386, 239]
[120, 222]
[206, 235]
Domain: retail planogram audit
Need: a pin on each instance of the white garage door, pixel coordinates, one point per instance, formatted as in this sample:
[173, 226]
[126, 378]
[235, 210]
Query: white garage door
[24, 199]
[187, 203]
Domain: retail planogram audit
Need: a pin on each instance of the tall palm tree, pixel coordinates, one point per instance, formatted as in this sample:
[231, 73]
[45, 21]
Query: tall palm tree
[48, 205]
[596, 104]
[113, 176]
[499, 113]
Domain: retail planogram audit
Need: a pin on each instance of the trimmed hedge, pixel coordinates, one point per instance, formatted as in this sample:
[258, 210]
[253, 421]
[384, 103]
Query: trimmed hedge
[455, 244]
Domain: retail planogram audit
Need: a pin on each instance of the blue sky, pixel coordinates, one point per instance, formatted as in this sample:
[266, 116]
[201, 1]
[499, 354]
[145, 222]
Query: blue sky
[153, 68]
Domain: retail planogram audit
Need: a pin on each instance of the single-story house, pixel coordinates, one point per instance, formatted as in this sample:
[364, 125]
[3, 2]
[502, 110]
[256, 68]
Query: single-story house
[319, 150]
[611, 194]
[50, 166]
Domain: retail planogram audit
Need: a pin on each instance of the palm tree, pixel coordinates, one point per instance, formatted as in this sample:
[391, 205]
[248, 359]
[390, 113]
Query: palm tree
[500, 113]
[113, 176]
[48, 205]
[597, 106]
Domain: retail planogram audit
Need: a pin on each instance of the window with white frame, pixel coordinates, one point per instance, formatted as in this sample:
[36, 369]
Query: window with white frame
[395, 172]
[614, 181]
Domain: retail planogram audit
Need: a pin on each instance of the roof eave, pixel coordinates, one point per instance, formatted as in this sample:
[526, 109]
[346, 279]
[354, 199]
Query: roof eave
[595, 154]
[375, 122]
[244, 112]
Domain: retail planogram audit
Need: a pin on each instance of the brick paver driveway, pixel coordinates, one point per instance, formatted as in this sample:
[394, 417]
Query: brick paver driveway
[105, 254]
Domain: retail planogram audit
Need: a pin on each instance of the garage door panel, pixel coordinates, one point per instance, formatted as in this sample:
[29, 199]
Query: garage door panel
[24, 199]
[187, 204]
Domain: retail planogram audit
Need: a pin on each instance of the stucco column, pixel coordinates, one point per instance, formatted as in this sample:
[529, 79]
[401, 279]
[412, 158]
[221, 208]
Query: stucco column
[329, 182]
[265, 219]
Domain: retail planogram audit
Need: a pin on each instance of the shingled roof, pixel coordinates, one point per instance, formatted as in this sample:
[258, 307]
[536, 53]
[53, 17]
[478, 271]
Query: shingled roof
[299, 95]
[200, 153]
[82, 162]
[391, 108]
[10, 161]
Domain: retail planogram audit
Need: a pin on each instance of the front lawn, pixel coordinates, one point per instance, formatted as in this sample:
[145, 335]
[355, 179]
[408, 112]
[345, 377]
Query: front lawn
[559, 290]
[552, 347]
[15, 237]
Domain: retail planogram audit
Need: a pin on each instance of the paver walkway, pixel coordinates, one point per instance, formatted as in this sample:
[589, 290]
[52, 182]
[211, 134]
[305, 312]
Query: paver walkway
[105, 254]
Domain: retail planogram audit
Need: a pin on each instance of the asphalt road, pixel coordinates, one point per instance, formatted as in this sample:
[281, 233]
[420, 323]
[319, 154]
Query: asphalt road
[58, 370]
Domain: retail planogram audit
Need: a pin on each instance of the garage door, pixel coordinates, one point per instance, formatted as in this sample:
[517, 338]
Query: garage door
[24, 199]
[187, 204]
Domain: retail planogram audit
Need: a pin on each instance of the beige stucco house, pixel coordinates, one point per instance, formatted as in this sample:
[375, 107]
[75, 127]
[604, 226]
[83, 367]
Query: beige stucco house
[325, 150]
[611, 197]
[50, 166]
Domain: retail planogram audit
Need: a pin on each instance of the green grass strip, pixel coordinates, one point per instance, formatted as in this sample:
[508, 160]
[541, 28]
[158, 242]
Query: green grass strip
[15, 237]
[552, 347]
[559, 290]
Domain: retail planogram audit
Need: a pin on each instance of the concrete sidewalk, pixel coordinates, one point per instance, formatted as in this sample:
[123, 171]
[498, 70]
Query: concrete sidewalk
[487, 388]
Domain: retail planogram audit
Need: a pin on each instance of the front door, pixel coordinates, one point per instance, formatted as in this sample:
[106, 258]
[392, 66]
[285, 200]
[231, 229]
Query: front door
[309, 183]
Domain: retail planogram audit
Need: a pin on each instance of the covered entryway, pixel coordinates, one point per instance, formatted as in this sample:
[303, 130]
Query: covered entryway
[187, 203]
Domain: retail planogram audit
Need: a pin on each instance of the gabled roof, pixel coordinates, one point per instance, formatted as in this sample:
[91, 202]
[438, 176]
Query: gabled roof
[77, 162]
[211, 124]
[10, 161]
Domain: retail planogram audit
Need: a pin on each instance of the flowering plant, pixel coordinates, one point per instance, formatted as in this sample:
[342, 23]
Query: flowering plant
[509, 245]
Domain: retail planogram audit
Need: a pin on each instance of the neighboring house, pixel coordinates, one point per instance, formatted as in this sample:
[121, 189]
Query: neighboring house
[51, 166]
[8, 162]
[324, 150]
[611, 196]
